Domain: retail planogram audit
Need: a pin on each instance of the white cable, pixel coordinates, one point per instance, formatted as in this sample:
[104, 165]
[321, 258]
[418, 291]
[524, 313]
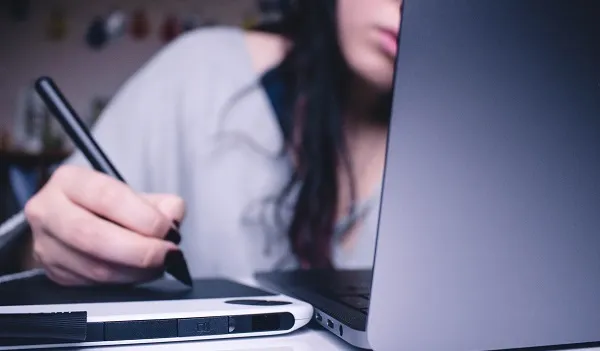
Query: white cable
[21, 275]
[12, 223]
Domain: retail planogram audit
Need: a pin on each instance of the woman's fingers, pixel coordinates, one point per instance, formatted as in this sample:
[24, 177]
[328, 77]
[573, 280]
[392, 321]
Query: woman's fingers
[169, 205]
[111, 199]
[91, 229]
[72, 267]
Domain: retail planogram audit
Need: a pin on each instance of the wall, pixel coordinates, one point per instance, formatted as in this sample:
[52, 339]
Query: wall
[81, 72]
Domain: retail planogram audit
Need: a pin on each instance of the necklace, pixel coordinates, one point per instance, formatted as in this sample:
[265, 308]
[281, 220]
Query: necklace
[357, 212]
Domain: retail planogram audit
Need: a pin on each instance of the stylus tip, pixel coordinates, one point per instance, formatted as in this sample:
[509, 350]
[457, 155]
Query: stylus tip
[178, 268]
[186, 278]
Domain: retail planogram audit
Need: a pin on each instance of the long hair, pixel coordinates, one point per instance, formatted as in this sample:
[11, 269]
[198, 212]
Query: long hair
[315, 74]
[316, 78]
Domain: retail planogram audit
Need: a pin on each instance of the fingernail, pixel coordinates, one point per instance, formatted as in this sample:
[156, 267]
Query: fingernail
[176, 224]
[173, 236]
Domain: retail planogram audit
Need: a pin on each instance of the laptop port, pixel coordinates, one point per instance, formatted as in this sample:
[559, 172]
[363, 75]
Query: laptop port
[318, 316]
[341, 330]
[330, 323]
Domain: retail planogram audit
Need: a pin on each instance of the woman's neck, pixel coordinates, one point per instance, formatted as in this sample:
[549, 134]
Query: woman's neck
[366, 126]
[365, 132]
[364, 106]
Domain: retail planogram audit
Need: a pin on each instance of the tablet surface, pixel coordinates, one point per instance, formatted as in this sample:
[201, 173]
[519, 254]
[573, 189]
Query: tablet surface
[39, 290]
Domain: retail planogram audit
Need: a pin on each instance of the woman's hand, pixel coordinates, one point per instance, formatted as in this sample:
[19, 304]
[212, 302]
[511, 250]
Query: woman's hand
[89, 228]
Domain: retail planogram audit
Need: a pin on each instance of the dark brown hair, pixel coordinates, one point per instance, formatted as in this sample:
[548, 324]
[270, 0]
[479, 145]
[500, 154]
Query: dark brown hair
[315, 74]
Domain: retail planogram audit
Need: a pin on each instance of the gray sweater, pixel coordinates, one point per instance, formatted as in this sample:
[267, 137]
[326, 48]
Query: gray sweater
[195, 121]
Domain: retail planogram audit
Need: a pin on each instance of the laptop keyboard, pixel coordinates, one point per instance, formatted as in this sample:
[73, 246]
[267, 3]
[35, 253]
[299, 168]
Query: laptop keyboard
[358, 302]
[356, 296]
[350, 288]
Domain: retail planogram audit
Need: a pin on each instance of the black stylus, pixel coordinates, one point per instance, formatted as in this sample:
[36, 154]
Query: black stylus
[82, 138]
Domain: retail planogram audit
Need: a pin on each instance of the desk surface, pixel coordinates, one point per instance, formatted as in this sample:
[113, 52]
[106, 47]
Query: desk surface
[306, 339]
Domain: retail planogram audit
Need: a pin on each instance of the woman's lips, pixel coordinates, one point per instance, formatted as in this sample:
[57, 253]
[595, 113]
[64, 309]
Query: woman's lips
[388, 40]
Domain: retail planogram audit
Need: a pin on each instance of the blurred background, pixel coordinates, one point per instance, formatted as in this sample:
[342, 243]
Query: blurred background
[90, 47]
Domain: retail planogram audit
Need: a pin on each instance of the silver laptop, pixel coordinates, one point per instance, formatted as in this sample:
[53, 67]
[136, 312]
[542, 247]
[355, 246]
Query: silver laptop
[489, 232]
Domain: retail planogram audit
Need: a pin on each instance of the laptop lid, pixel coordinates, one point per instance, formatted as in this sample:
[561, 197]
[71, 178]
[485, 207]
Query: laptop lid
[489, 234]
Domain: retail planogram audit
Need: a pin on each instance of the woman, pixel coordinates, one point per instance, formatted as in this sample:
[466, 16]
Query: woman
[272, 145]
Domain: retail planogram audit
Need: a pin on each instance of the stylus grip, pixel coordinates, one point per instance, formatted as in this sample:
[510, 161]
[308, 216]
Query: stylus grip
[70, 326]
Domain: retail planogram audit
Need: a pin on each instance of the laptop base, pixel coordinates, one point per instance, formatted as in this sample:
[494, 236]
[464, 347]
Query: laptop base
[340, 298]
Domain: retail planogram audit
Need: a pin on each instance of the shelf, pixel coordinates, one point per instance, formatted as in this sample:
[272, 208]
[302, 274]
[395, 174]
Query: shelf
[25, 159]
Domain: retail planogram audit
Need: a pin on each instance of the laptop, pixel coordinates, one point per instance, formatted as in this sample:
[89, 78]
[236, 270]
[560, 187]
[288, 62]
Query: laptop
[489, 228]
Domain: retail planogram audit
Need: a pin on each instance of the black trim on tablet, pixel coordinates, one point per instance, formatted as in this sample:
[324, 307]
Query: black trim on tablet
[171, 328]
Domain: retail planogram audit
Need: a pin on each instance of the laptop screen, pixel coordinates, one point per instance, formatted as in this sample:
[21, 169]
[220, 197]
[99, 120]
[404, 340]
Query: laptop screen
[489, 234]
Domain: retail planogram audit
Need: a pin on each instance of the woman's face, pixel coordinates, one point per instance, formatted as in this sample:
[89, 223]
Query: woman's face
[368, 31]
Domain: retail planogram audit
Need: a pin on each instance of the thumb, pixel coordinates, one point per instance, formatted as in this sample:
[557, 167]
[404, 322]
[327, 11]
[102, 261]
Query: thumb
[172, 206]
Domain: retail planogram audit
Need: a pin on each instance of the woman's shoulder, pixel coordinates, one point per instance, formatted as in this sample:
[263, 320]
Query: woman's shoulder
[226, 45]
[216, 73]
[266, 49]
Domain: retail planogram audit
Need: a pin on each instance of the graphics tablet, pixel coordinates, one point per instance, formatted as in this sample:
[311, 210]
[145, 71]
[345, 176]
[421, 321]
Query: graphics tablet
[37, 313]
